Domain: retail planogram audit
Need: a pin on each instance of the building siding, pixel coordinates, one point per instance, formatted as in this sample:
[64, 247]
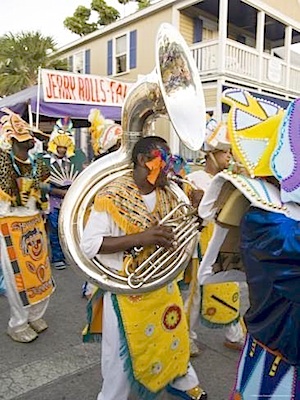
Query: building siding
[146, 30]
[186, 27]
[210, 95]
[289, 8]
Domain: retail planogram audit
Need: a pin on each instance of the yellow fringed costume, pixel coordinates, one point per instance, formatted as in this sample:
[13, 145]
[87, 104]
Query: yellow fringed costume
[153, 327]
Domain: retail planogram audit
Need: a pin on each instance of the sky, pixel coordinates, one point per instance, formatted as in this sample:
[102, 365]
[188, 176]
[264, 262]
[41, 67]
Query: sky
[47, 16]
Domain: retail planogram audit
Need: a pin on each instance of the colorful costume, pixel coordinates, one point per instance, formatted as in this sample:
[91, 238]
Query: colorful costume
[144, 337]
[105, 133]
[265, 140]
[2, 283]
[217, 304]
[24, 254]
[63, 172]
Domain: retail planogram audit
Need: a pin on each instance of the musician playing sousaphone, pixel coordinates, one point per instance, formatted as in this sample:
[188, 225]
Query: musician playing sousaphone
[265, 205]
[145, 342]
[140, 233]
[24, 254]
[218, 303]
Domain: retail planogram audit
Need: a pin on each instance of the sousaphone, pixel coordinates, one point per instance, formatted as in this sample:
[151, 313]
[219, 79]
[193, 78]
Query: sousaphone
[173, 89]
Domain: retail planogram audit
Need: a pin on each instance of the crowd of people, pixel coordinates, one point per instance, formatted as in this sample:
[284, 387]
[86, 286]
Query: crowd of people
[148, 338]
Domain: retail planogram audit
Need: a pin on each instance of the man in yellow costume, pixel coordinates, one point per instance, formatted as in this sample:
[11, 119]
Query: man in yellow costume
[145, 344]
[218, 303]
[23, 241]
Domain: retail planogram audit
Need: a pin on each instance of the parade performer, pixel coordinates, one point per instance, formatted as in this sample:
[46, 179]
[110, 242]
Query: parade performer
[65, 164]
[145, 342]
[24, 255]
[218, 303]
[105, 134]
[265, 140]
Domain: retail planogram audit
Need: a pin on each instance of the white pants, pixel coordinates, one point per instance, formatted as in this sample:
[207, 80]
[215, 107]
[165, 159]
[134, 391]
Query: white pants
[19, 316]
[115, 380]
[233, 332]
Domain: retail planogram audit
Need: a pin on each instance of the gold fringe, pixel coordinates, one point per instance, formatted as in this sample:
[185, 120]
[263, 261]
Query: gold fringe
[105, 204]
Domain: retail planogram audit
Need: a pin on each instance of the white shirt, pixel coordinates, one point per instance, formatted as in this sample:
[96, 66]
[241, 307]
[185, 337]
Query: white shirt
[205, 275]
[101, 225]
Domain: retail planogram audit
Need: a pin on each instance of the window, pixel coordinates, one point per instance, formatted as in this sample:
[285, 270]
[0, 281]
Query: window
[121, 53]
[121, 50]
[80, 62]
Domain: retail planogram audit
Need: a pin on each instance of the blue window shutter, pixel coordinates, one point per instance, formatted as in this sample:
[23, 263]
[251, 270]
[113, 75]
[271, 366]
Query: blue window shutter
[198, 27]
[109, 57]
[70, 62]
[87, 62]
[132, 49]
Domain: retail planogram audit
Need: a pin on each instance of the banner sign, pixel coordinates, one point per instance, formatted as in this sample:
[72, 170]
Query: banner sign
[67, 87]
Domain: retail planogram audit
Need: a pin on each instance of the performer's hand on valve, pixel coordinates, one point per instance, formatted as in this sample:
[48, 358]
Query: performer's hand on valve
[160, 235]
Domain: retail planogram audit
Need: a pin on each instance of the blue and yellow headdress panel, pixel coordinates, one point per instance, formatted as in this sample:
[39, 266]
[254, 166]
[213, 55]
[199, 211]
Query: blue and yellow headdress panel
[253, 126]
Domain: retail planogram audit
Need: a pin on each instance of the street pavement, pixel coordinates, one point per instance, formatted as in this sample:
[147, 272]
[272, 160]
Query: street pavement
[58, 366]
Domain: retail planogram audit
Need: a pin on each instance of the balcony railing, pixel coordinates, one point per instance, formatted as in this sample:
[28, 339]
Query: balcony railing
[246, 64]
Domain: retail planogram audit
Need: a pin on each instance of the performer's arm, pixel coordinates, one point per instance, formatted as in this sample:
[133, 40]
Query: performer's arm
[159, 235]
[58, 191]
[5, 184]
[98, 238]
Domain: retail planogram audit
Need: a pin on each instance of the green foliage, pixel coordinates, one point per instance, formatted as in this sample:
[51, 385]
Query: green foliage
[21, 55]
[141, 3]
[107, 14]
[78, 23]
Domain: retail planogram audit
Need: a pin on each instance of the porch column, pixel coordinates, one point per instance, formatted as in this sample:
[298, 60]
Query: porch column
[260, 37]
[174, 141]
[223, 20]
[287, 54]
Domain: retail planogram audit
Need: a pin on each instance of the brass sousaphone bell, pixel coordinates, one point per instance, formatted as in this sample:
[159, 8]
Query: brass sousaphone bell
[174, 89]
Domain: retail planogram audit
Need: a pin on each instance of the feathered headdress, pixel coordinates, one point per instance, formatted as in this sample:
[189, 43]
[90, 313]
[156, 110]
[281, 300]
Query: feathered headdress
[216, 136]
[62, 135]
[105, 133]
[13, 126]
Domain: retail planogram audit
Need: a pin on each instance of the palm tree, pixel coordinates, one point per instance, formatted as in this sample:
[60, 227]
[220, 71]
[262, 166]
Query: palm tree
[21, 55]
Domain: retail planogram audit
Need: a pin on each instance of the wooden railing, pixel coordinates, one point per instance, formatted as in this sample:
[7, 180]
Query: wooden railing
[245, 63]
